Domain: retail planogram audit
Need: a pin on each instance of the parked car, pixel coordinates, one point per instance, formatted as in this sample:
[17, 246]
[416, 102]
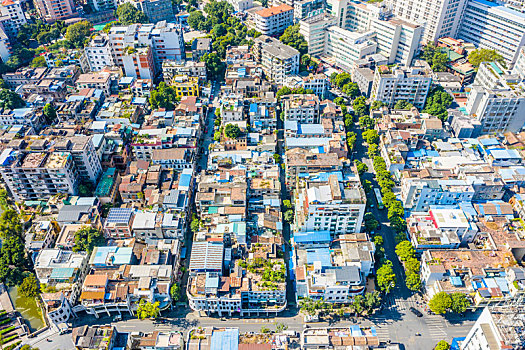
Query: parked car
[117, 318]
[416, 312]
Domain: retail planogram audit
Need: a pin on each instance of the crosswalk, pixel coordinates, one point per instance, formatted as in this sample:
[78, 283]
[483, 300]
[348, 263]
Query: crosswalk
[400, 305]
[436, 327]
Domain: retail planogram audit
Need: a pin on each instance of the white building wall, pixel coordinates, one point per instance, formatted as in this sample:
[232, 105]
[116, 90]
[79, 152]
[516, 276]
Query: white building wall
[491, 26]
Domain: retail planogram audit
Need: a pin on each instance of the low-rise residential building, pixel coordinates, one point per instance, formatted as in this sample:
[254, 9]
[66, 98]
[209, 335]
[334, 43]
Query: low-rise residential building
[440, 229]
[301, 108]
[185, 86]
[318, 83]
[118, 223]
[63, 270]
[170, 69]
[254, 286]
[319, 338]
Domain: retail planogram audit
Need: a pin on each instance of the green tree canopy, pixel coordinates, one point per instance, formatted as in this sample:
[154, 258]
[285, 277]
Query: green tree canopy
[359, 304]
[460, 303]
[377, 105]
[288, 216]
[340, 79]
[435, 58]
[351, 90]
[370, 222]
[293, 38]
[10, 99]
[371, 136]
[361, 167]
[50, 114]
[147, 310]
[77, 34]
[163, 97]
[413, 281]
[30, 288]
[479, 56]
[214, 65]
[39, 61]
[232, 131]
[128, 14]
[402, 104]
[372, 300]
[442, 345]
[438, 100]
[175, 292]
[440, 303]
[386, 278]
[360, 107]
[10, 224]
[195, 19]
[88, 238]
[287, 204]
[405, 250]
[13, 260]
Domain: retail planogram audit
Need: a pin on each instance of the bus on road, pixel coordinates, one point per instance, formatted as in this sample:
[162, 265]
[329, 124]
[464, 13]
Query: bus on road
[379, 199]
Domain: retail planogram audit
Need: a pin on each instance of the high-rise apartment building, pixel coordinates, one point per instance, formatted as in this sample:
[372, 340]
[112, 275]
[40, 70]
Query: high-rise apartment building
[138, 62]
[156, 10]
[519, 66]
[393, 84]
[5, 46]
[346, 47]
[277, 59]
[54, 10]
[273, 20]
[165, 40]
[38, 175]
[98, 54]
[363, 29]
[490, 25]
[84, 155]
[313, 29]
[12, 17]
[398, 40]
[497, 99]
[440, 17]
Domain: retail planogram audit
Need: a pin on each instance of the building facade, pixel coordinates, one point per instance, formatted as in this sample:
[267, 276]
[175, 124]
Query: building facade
[490, 25]
[274, 20]
[277, 59]
[496, 99]
[52, 11]
[98, 54]
[397, 83]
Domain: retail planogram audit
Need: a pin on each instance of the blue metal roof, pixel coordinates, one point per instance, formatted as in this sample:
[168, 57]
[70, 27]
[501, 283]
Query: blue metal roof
[456, 281]
[117, 215]
[118, 255]
[227, 339]
[312, 236]
[321, 254]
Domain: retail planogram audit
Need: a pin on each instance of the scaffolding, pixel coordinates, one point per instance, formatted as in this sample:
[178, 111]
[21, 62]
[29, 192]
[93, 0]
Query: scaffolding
[510, 320]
